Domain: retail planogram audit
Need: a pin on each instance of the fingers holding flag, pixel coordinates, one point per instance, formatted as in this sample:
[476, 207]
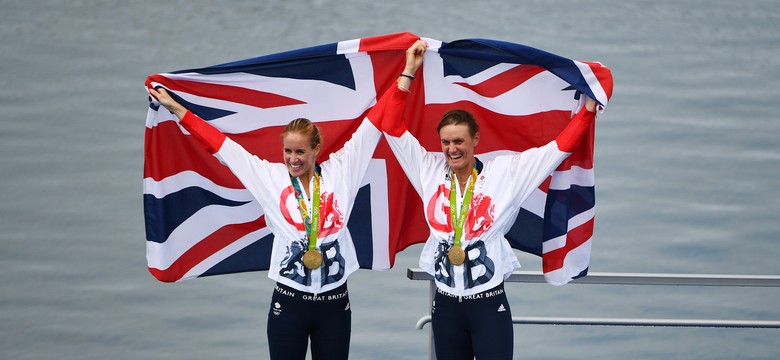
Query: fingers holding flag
[414, 59]
[167, 101]
[414, 56]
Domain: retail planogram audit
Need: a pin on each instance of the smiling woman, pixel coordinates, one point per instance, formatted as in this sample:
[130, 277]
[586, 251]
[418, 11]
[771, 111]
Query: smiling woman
[469, 257]
[304, 203]
[459, 134]
[301, 143]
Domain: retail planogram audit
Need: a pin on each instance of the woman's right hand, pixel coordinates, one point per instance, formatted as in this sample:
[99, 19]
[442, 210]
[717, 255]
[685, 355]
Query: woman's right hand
[168, 102]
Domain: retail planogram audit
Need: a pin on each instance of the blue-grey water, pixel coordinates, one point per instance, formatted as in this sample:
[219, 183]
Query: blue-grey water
[688, 161]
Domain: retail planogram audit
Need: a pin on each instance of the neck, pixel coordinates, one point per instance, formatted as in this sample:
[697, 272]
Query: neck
[305, 180]
[464, 173]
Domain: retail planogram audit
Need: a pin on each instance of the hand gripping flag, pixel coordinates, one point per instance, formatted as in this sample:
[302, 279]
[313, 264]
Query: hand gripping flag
[201, 221]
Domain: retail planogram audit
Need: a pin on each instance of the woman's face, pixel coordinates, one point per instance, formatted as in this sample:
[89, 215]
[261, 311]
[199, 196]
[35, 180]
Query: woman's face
[299, 156]
[458, 145]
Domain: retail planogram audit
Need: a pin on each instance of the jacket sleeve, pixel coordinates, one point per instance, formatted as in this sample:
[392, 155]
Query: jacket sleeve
[354, 158]
[531, 167]
[393, 121]
[253, 172]
[571, 135]
[207, 135]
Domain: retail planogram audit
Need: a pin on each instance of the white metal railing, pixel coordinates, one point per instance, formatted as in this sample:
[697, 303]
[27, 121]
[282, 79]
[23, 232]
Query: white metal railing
[625, 279]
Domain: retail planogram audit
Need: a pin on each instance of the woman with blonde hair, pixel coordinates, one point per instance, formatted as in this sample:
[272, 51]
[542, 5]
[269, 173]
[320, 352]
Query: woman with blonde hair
[306, 206]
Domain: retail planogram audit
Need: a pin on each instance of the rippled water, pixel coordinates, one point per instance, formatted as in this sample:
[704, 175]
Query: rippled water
[687, 164]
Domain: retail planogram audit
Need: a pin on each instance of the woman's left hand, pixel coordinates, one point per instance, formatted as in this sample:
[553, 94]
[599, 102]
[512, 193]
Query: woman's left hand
[414, 56]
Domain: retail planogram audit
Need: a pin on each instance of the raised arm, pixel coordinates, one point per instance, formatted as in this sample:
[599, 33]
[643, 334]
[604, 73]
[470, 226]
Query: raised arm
[571, 135]
[354, 157]
[394, 125]
[206, 134]
[415, 160]
[168, 102]
[253, 172]
[414, 59]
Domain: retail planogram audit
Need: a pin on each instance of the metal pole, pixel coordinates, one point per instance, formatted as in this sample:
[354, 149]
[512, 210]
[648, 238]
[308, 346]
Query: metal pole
[606, 278]
[625, 279]
[431, 341]
[648, 322]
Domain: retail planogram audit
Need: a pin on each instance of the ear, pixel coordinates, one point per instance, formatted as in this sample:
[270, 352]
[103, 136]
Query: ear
[476, 139]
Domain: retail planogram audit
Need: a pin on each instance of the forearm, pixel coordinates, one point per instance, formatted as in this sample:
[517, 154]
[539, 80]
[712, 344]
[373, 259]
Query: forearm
[413, 158]
[393, 123]
[405, 79]
[573, 133]
[393, 120]
[206, 134]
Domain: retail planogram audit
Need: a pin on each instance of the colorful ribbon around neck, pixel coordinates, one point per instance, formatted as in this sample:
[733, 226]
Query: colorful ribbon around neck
[459, 219]
[311, 220]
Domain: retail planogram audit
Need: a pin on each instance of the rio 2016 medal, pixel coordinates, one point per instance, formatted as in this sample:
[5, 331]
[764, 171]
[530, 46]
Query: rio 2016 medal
[457, 255]
[312, 259]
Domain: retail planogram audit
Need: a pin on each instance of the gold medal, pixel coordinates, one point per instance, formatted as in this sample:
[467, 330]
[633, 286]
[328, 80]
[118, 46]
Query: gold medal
[457, 255]
[312, 259]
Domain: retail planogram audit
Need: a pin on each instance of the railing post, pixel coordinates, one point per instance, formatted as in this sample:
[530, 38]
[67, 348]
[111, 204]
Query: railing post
[431, 343]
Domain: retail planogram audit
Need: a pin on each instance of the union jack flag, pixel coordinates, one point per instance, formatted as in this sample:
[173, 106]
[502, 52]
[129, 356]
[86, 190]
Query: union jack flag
[201, 221]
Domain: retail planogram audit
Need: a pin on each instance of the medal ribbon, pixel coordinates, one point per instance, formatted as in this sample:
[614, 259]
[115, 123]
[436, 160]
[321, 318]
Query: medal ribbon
[459, 219]
[311, 221]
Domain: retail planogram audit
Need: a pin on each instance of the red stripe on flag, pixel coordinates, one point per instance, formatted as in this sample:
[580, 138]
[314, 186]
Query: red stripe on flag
[166, 138]
[398, 41]
[217, 241]
[554, 259]
[505, 81]
[545, 185]
[260, 99]
[604, 75]
[506, 132]
[266, 143]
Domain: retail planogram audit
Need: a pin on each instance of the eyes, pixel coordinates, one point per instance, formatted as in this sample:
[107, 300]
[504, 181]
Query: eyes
[299, 152]
[455, 142]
